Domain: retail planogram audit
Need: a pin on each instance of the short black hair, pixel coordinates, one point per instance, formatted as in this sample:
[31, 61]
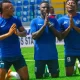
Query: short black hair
[4, 1]
[44, 2]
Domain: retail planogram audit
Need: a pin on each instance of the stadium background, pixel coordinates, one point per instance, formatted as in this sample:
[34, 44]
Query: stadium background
[26, 10]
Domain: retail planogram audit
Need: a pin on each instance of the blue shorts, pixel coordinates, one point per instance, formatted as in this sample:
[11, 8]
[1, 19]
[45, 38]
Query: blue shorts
[53, 66]
[70, 60]
[17, 62]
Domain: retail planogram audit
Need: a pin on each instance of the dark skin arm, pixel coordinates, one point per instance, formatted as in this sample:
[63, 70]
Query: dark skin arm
[38, 33]
[75, 27]
[21, 32]
[66, 32]
[55, 32]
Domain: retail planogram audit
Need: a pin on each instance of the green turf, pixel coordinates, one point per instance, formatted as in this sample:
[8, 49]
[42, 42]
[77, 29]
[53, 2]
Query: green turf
[28, 54]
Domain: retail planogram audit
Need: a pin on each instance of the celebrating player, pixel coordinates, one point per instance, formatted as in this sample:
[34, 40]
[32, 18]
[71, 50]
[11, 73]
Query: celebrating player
[44, 31]
[70, 26]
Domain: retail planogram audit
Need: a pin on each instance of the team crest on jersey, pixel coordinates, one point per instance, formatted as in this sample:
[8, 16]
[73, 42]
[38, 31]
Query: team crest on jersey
[78, 22]
[40, 24]
[65, 22]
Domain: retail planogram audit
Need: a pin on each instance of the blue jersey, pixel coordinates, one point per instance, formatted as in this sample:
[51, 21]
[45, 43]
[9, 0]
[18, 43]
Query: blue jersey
[10, 47]
[45, 45]
[72, 40]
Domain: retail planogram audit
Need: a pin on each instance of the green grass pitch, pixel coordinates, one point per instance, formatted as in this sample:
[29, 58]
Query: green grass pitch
[28, 54]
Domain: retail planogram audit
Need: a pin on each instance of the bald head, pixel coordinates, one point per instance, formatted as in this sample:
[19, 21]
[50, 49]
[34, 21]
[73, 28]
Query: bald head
[7, 8]
[6, 5]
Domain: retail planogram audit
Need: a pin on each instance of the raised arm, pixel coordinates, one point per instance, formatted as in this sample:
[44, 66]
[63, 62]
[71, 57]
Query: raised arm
[37, 34]
[66, 32]
[75, 27]
[55, 31]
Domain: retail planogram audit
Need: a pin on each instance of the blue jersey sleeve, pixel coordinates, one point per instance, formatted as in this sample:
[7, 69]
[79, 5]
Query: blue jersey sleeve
[18, 23]
[56, 25]
[60, 21]
[33, 26]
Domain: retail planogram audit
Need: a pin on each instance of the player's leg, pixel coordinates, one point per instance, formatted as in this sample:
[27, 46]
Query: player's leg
[2, 74]
[39, 68]
[69, 65]
[21, 68]
[4, 69]
[53, 66]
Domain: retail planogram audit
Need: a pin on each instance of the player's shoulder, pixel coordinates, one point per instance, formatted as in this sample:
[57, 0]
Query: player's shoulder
[36, 19]
[78, 13]
[63, 18]
[15, 17]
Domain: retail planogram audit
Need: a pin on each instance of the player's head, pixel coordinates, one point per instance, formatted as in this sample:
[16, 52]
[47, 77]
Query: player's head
[7, 8]
[44, 7]
[71, 6]
[51, 9]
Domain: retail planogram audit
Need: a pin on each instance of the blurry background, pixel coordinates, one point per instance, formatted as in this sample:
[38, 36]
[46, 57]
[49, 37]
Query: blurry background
[26, 10]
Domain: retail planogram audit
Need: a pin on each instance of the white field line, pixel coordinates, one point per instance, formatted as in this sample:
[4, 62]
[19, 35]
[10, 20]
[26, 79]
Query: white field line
[33, 60]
